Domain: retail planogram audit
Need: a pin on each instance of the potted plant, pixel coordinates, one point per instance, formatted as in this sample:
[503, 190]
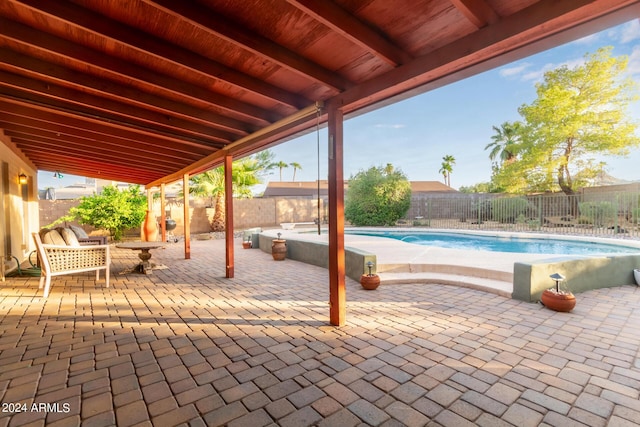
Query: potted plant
[247, 244]
[557, 299]
[279, 248]
[370, 281]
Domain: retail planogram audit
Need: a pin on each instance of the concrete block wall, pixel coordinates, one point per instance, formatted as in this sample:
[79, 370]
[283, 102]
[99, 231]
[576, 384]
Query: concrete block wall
[582, 274]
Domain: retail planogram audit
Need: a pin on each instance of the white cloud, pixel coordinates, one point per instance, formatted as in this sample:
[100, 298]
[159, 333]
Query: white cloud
[630, 31]
[389, 126]
[515, 70]
[633, 66]
[537, 75]
[588, 39]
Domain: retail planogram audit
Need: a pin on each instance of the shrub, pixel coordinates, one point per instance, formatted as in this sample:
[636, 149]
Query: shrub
[599, 213]
[112, 210]
[508, 209]
[377, 196]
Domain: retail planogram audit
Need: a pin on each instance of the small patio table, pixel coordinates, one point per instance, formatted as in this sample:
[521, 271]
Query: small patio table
[144, 255]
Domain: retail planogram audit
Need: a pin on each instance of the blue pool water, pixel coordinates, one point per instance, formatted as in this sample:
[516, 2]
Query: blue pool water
[502, 244]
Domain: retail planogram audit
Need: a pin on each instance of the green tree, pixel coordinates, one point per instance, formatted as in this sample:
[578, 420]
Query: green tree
[245, 173]
[112, 210]
[446, 168]
[505, 142]
[296, 166]
[579, 113]
[377, 196]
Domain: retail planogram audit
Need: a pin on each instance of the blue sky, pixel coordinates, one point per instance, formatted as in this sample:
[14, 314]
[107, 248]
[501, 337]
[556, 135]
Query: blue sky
[456, 119]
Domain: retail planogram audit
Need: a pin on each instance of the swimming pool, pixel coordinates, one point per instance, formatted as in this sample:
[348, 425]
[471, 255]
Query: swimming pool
[498, 243]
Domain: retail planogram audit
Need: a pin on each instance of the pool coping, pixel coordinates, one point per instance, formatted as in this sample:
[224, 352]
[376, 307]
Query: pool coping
[402, 262]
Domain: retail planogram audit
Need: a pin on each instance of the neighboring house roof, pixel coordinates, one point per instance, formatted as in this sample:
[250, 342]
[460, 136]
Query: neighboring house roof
[430, 187]
[310, 188]
[297, 188]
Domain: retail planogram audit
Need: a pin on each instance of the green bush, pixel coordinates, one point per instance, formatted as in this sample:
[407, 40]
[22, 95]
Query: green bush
[112, 210]
[508, 209]
[378, 196]
[599, 213]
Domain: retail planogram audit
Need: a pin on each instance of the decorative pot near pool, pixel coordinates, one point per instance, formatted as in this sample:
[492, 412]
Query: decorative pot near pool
[558, 301]
[279, 249]
[370, 281]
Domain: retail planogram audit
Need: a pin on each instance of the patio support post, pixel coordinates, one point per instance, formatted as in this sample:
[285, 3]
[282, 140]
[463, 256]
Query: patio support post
[228, 218]
[337, 291]
[163, 214]
[187, 218]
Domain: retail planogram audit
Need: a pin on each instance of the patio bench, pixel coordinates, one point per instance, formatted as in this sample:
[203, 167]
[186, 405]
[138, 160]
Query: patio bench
[59, 258]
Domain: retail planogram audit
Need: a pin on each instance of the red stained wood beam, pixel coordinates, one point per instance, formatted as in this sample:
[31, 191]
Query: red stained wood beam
[154, 47]
[341, 21]
[337, 287]
[478, 12]
[228, 229]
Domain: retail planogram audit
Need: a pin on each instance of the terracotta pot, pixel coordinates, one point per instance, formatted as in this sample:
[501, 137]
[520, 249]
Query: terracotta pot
[246, 244]
[279, 249]
[370, 282]
[149, 228]
[558, 301]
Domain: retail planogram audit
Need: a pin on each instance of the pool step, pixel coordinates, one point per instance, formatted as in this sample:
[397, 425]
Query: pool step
[447, 269]
[499, 287]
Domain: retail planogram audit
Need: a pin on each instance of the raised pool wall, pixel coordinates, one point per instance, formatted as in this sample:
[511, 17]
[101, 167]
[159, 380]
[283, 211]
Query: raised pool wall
[317, 253]
[530, 279]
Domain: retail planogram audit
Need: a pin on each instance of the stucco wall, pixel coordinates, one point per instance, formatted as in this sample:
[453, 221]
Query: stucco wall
[247, 213]
[18, 206]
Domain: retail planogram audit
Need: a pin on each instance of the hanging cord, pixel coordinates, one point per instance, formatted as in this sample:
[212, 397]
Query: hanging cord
[318, 157]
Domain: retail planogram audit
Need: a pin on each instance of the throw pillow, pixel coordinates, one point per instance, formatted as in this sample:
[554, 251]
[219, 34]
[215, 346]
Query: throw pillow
[78, 231]
[69, 236]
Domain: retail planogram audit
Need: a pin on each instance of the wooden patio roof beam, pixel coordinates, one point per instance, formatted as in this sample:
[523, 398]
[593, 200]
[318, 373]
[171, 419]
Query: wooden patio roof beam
[30, 126]
[543, 20]
[43, 114]
[124, 114]
[252, 115]
[338, 19]
[202, 18]
[31, 144]
[243, 145]
[156, 47]
[478, 12]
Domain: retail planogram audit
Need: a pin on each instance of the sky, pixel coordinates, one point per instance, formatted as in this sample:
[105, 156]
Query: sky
[456, 119]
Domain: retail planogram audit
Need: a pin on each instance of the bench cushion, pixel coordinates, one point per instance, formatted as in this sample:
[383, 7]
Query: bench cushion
[69, 237]
[52, 237]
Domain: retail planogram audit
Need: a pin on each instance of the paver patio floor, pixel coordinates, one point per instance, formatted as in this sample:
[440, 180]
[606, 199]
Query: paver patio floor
[185, 346]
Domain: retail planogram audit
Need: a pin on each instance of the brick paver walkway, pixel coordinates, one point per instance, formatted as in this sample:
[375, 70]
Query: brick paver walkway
[185, 346]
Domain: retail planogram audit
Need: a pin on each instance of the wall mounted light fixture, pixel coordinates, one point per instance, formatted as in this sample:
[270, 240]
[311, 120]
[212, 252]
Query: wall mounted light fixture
[22, 179]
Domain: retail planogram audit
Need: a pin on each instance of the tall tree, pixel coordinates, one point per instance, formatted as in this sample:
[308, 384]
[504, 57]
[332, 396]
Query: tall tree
[281, 165]
[296, 166]
[579, 114]
[505, 142]
[446, 168]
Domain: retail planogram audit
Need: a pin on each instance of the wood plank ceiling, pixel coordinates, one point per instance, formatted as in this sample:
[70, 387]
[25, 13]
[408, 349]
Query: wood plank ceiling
[141, 90]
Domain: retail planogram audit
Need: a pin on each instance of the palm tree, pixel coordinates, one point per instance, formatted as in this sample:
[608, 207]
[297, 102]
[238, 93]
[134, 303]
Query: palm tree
[245, 173]
[281, 165]
[211, 184]
[505, 142]
[447, 168]
[296, 166]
